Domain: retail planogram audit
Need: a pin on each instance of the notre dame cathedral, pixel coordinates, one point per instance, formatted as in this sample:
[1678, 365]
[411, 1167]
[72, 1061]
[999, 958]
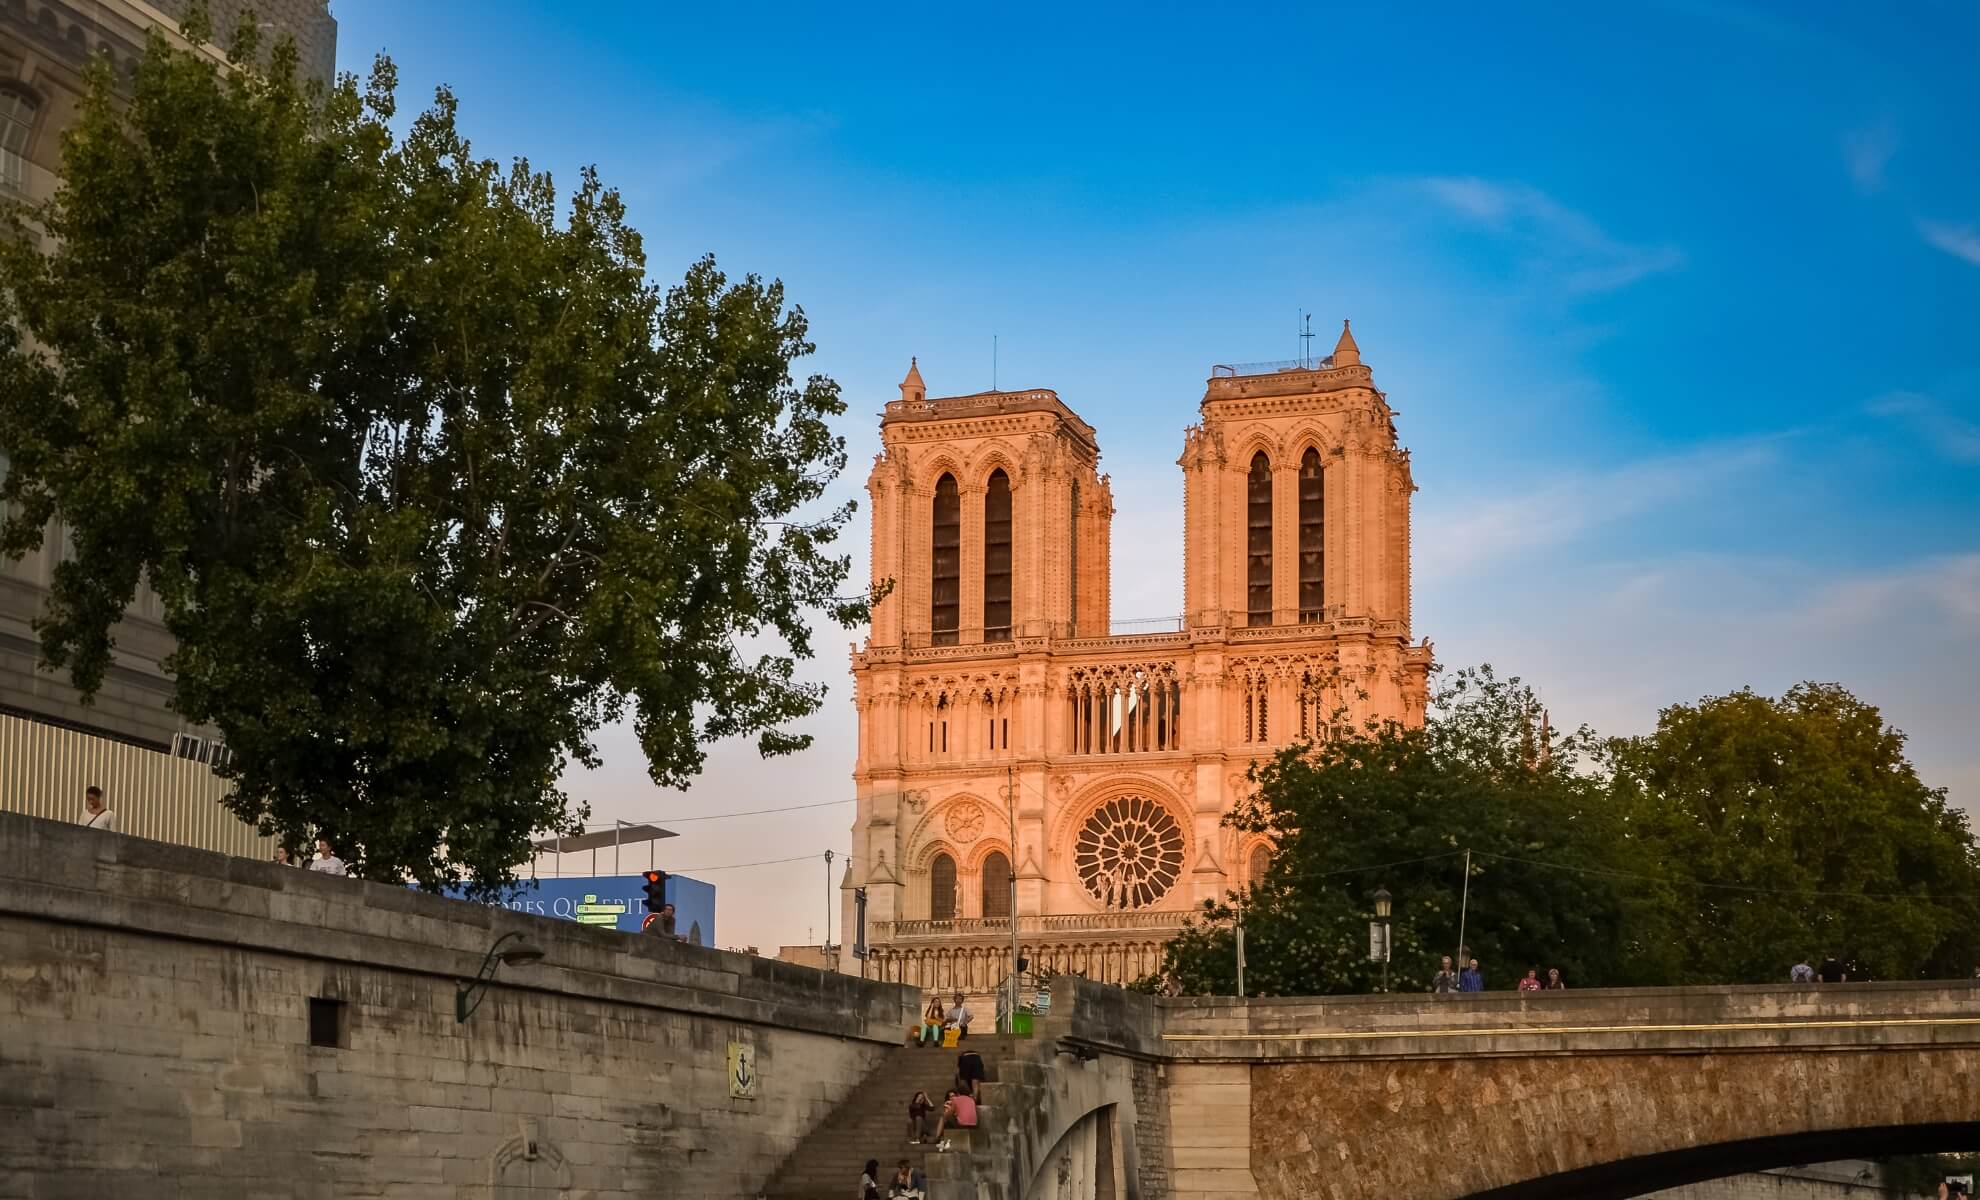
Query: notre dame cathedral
[992, 660]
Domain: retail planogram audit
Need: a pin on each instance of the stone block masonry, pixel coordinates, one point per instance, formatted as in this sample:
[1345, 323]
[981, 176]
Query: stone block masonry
[157, 1039]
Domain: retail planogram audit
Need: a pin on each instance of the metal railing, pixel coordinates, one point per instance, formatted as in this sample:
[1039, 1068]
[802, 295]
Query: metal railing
[1145, 625]
[1278, 366]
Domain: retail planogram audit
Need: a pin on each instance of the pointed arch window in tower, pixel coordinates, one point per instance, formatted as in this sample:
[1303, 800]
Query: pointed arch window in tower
[945, 605]
[1312, 528]
[996, 874]
[942, 889]
[1258, 541]
[1072, 564]
[997, 558]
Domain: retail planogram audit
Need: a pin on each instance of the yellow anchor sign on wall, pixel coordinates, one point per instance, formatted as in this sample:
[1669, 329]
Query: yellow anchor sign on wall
[742, 1071]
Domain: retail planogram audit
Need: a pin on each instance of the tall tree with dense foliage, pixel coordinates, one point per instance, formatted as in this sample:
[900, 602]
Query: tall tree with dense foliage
[1744, 833]
[1782, 827]
[430, 480]
[1396, 808]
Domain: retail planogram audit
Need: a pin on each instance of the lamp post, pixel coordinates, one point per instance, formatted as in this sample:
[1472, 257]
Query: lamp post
[468, 994]
[1383, 902]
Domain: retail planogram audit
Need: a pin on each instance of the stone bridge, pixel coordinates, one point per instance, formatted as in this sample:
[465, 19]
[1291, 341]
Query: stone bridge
[1595, 1093]
[175, 1022]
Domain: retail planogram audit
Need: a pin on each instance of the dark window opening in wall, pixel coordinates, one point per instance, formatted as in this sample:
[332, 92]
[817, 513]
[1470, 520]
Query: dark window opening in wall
[997, 559]
[996, 886]
[945, 609]
[1072, 561]
[1258, 541]
[1312, 525]
[17, 112]
[326, 1022]
[942, 889]
[945, 737]
[1007, 734]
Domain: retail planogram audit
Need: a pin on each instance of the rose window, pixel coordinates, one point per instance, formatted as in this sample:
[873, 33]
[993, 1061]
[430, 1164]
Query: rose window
[1129, 852]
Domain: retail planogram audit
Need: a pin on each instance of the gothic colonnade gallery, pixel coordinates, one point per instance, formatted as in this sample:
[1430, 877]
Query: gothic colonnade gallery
[993, 691]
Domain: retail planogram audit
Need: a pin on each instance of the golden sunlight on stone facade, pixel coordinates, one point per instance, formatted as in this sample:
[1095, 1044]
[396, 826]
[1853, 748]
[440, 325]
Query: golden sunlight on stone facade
[992, 659]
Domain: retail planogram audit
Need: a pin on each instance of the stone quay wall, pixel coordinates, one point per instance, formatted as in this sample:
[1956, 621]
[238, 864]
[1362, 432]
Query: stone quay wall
[156, 1039]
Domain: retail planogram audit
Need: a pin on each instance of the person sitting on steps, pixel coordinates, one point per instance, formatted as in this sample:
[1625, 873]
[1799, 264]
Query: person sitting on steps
[960, 1017]
[960, 1110]
[908, 1184]
[931, 1023]
[918, 1109]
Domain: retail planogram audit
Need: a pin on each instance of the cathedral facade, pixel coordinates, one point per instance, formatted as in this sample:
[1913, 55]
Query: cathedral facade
[1017, 756]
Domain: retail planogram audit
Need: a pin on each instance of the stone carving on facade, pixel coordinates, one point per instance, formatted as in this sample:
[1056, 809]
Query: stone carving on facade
[965, 821]
[527, 1166]
[1129, 852]
[916, 798]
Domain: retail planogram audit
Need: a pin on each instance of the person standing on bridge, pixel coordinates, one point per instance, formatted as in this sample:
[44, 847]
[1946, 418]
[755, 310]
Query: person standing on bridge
[326, 861]
[1554, 981]
[1446, 980]
[97, 814]
[1531, 981]
[1471, 979]
[1802, 973]
[1832, 971]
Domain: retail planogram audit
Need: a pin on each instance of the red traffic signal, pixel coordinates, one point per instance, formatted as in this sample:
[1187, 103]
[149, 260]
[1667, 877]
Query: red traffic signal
[656, 891]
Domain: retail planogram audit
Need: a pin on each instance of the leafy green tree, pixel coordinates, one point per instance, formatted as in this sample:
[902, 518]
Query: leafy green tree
[430, 480]
[1396, 808]
[1777, 828]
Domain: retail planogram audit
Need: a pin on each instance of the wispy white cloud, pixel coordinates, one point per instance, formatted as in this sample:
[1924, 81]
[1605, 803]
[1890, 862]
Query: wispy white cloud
[1960, 241]
[1867, 152]
[1610, 643]
[1572, 246]
[1465, 534]
[1952, 435]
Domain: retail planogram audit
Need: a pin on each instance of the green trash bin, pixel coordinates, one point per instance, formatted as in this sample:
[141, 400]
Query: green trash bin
[1021, 1024]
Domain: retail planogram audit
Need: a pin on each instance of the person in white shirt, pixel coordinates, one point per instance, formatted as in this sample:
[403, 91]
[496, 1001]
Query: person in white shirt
[326, 859]
[960, 1016]
[96, 814]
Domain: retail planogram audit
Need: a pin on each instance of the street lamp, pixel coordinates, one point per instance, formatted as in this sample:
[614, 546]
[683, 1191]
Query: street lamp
[1383, 905]
[467, 995]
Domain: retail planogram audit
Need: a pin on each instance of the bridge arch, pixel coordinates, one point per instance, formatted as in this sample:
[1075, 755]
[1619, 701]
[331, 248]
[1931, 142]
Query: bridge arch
[1676, 1168]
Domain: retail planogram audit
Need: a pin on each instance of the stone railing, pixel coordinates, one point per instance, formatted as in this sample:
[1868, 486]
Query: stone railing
[1100, 922]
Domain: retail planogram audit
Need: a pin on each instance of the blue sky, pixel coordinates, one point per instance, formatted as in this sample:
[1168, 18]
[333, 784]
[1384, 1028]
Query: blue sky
[1678, 304]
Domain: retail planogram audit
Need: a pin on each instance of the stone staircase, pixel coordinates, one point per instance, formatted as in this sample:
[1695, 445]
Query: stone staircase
[872, 1123]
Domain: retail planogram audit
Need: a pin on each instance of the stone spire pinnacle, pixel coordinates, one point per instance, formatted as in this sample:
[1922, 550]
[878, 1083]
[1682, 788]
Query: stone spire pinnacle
[911, 387]
[1346, 353]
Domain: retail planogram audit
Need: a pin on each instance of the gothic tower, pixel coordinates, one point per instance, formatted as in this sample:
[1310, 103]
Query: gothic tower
[1016, 756]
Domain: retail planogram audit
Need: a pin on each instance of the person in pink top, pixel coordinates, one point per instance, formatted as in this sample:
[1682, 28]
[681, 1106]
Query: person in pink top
[1532, 981]
[958, 1110]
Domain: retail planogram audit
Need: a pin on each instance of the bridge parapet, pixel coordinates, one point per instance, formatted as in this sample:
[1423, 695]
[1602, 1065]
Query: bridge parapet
[1587, 1021]
[1591, 1021]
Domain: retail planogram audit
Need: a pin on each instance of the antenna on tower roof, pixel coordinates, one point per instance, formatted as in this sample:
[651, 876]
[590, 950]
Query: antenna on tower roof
[1306, 340]
[993, 362]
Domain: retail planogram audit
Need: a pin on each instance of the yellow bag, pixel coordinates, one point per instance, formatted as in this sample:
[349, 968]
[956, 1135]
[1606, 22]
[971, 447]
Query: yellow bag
[950, 1037]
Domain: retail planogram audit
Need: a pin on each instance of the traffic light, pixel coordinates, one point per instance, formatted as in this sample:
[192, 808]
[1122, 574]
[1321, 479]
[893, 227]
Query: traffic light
[656, 891]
